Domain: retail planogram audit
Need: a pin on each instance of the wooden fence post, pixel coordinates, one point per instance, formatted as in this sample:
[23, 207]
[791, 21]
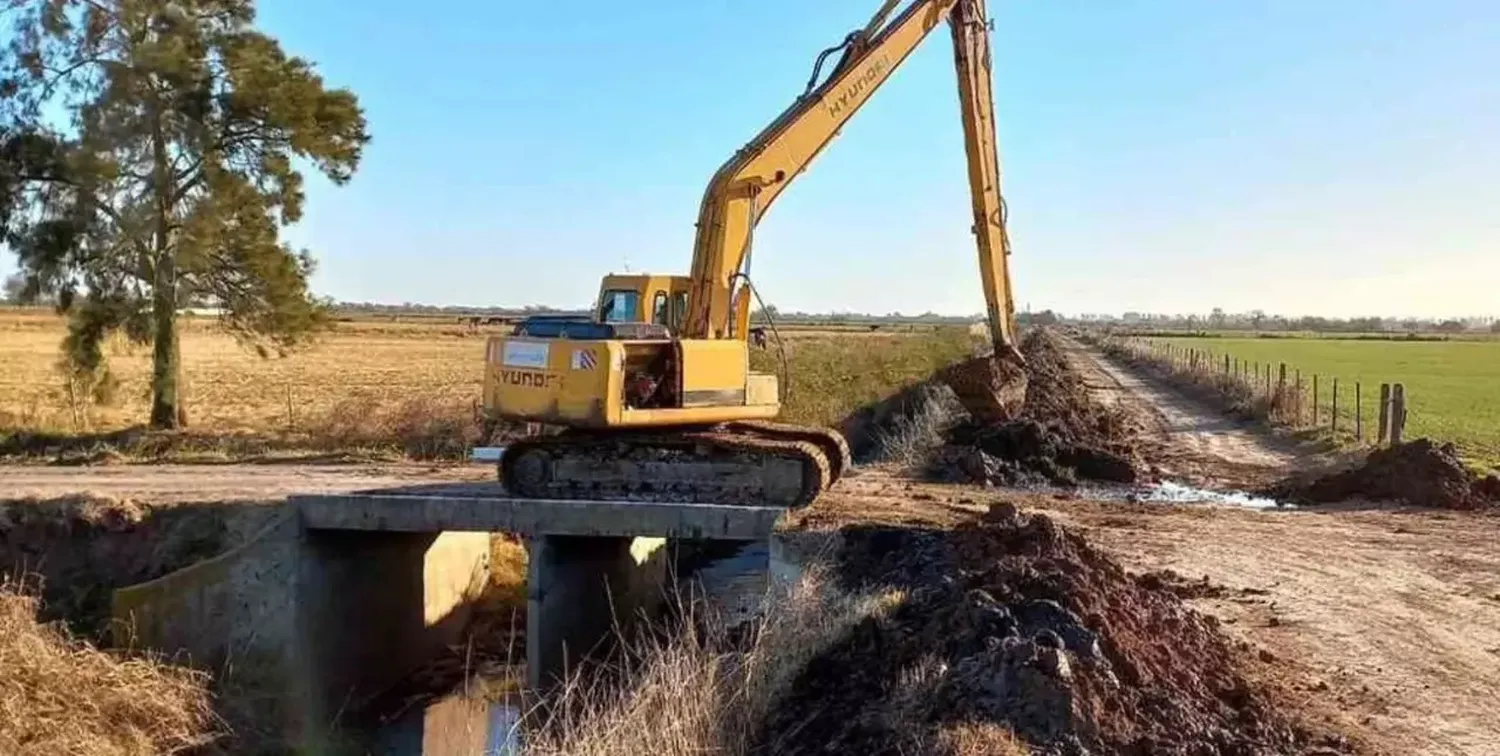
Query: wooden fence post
[1315, 401]
[1385, 414]
[1359, 409]
[1281, 397]
[1299, 396]
[1335, 412]
[1398, 413]
[1226, 364]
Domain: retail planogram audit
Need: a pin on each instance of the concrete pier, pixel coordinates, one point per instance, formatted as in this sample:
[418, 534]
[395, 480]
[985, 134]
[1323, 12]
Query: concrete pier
[348, 593]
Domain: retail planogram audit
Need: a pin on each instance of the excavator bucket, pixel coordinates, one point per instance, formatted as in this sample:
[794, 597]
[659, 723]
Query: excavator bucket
[991, 387]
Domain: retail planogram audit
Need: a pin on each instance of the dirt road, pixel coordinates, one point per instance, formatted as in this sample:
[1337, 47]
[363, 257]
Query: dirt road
[1386, 620]
[1195, 444]
[235, 482]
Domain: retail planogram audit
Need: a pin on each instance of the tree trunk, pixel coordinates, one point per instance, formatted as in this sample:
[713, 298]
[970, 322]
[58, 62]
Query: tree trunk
[167, 408]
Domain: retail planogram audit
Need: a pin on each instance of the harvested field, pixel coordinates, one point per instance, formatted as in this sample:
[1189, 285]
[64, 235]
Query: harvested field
[369, 388]
[1014, 626]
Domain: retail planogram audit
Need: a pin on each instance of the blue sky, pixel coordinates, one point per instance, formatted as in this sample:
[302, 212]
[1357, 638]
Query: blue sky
[1331, 157]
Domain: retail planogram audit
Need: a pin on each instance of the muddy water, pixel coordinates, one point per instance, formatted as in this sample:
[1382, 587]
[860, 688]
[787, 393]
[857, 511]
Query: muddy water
[1177, 493]
[454, 725]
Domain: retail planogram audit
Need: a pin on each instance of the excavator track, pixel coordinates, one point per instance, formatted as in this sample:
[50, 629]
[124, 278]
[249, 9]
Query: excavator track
[835, 447]
[714, 465]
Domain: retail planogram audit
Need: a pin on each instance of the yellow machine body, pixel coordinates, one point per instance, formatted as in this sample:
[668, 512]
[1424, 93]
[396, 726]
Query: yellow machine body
[583, 383]
[586, 383]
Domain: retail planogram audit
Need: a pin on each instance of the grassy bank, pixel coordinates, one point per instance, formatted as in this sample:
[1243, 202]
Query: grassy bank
[1452, 387]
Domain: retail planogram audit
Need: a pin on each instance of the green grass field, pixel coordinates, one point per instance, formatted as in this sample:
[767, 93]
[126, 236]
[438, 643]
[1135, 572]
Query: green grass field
[1452, 387]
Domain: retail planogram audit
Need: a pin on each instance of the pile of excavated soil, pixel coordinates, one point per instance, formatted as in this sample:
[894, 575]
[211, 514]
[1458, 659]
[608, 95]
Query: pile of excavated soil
[1014, 624]
[1061, 435]
[1419, 473]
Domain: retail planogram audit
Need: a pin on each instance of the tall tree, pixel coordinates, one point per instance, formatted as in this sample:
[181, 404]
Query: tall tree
[149, 163]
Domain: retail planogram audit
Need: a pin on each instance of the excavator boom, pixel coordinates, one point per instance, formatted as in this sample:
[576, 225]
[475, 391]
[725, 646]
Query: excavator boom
[746, 186]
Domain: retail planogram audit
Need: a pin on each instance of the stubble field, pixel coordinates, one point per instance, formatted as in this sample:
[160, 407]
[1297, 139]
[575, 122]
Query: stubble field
[414, 385]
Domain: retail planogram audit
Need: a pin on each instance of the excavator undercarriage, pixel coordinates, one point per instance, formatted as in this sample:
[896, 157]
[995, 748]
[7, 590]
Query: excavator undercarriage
[739, 463]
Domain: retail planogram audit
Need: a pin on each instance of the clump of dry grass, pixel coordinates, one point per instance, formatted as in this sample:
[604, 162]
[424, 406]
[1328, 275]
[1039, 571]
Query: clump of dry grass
[59, 695]
[978, 739]
[420, 427]
[706, 689]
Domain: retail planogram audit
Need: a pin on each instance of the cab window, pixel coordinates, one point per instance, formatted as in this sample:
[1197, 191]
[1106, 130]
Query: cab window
[659, 308]
[679, 309]
[619, 306]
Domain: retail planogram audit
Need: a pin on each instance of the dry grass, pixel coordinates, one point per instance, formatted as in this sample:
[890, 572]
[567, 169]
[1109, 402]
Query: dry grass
[409, 388]
[700, 692]
[59, 695]
[978, 739]
[231, 389]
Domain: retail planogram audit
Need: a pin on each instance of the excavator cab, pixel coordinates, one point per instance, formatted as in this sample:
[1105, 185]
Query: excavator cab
[643, 298]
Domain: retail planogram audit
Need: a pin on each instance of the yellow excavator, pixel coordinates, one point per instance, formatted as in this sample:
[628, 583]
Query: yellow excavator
[653, 392]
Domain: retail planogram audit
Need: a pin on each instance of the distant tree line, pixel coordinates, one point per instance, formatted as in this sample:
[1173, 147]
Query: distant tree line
[1259, 320]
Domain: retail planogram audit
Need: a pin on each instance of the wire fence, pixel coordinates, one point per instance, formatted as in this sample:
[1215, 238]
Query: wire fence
[1279, 392]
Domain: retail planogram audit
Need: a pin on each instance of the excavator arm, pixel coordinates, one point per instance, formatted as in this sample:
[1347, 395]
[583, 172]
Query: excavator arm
[745, 187]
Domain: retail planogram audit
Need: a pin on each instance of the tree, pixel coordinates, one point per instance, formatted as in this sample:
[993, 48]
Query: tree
[1495, 327]
[13, 289]
[1451, 326]
[1217, 319]
[167, 176]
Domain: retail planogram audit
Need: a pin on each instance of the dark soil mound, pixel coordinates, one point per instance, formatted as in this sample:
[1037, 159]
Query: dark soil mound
[1061, 436]
[1015, 623]
[1419, 473]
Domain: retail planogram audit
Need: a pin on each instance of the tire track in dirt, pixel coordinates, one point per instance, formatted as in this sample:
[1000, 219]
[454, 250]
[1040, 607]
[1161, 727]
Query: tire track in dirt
[1194, 443]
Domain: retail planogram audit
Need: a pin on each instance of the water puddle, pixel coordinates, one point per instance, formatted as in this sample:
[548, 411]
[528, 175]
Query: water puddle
[1171, 492]
[455, 725]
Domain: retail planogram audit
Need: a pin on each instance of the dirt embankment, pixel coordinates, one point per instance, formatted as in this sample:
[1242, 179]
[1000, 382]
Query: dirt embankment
[1014, 624]
[81, 547]
[1420, 473]
[1061, 436]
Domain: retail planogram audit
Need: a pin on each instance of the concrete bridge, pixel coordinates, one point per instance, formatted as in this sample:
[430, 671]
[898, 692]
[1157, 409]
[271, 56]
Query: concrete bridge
[344, 595]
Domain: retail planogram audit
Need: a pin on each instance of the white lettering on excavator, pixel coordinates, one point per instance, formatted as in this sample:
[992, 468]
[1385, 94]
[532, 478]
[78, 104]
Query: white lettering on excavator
[856, 88]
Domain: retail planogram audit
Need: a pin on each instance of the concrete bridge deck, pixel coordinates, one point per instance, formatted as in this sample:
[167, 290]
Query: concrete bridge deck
[487, 507]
